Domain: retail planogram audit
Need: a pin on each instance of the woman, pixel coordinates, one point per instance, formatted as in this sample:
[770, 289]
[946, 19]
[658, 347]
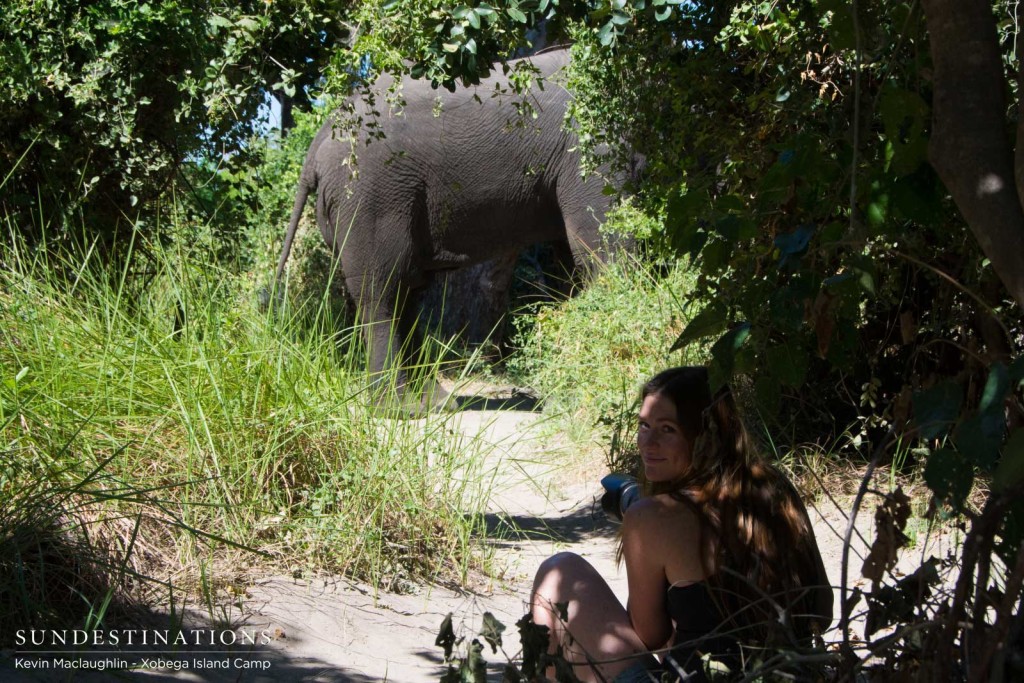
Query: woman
[716, 550]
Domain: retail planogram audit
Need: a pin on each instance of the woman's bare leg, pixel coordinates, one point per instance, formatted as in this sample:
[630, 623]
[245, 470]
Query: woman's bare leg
[598, 626]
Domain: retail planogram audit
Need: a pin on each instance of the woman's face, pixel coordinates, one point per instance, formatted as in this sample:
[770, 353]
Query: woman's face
[664, 449]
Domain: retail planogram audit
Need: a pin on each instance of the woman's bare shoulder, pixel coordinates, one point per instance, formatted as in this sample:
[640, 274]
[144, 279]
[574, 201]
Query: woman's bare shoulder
[666, 530]
[653, 512]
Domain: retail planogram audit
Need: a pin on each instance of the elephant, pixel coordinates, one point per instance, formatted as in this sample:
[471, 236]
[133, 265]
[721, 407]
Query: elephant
[448, 180]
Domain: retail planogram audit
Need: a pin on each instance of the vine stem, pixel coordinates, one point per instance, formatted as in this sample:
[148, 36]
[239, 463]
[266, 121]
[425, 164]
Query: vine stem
[951, 280]
[856, 112]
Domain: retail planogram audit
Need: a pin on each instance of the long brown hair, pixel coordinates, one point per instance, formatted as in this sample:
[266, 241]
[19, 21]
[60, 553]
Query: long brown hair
[757, 547]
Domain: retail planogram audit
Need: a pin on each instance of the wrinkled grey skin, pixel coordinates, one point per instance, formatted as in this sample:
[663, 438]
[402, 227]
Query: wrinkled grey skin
[443, 192]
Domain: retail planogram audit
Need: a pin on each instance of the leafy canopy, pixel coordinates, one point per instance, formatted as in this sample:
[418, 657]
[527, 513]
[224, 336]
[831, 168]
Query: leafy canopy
[101, 102]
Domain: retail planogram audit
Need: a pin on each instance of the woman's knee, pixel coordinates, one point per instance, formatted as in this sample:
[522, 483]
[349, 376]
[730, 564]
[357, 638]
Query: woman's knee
[554, 571]
[562, 569]
[565, 577]
[564, 562]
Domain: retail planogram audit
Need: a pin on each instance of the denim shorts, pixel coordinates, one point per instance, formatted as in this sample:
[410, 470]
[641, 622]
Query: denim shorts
[644, 670]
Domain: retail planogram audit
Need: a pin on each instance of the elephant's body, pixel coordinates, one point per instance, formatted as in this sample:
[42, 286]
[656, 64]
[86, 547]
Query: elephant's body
[446, 190]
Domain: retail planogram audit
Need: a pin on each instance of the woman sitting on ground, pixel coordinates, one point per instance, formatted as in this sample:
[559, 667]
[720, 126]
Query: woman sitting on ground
[719, 552]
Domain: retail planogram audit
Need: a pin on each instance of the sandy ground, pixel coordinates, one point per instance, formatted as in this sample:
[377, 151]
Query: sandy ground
[334, 630]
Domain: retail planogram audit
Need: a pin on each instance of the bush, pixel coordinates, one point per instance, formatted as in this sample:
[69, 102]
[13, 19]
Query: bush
[589, 355]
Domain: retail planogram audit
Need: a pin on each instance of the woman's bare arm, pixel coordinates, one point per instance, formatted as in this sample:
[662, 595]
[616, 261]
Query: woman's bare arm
[660, 545]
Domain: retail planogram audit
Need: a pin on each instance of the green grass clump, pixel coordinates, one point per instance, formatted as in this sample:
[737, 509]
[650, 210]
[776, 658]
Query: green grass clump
[158, 397]
[589, 355]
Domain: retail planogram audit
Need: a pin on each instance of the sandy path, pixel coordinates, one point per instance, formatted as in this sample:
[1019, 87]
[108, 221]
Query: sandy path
[336, 630]
[340, 631]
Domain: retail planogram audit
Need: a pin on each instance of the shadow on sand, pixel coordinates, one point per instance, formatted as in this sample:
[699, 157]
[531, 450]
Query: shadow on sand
[586, 522]
[517, 401]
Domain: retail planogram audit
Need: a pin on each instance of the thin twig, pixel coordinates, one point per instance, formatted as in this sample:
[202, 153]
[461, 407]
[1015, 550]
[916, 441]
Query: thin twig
[845, 606]
[856, 113]
[828, 494]
[972, 545]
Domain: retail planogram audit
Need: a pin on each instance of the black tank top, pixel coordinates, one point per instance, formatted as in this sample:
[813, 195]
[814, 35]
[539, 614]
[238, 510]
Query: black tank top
[700, 629]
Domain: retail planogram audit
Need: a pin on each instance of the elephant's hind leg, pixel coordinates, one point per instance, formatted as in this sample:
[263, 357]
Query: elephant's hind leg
[388, 320]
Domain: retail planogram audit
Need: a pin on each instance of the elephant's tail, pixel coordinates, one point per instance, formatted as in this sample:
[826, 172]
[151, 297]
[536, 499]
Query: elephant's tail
[307, 184]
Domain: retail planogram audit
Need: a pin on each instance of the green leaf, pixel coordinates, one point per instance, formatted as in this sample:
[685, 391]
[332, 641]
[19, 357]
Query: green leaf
[248, 24]
[474, 19]
[979, 437]
[790, 244]
[220, 22]
[949, 477]
[916, 197]
[996, 386]
[662, 13]
[607, 34]
[936, 408]
[1010, 471]
[491, 631]
[516, 14]
[786, 309]
[711, 320]
[474, 669]
[878, 210]
[620, 18]
[864, 269]
[715, 255]
[723, 355]
[535, 639]
[1017, 372]
[833, 232]
[446, 637]
[905, 117]
[768, 392]
[788, 362]
[841, 29]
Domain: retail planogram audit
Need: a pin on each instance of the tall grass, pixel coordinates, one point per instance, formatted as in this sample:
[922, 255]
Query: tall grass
[589, 355]
[158, 397]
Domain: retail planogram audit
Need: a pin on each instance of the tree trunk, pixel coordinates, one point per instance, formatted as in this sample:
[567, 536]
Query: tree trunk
[969, 147]
[287, 111]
